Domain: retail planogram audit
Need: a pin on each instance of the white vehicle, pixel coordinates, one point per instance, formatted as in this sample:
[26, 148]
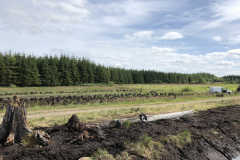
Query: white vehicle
[219, 90]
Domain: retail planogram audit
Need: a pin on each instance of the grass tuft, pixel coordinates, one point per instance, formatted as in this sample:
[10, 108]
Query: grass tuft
[102, 155]
[127, 124]
[147, 148]
[180, 140]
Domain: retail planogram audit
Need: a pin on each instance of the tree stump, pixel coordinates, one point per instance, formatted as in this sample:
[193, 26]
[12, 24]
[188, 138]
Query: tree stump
[14, 127]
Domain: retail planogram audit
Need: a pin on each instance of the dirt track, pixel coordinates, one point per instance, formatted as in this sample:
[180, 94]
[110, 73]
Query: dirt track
[60, 112]
[214, 135]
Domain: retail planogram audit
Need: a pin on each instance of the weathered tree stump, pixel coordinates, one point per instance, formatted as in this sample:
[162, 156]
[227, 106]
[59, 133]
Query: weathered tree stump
[74, 124]
[14, 127]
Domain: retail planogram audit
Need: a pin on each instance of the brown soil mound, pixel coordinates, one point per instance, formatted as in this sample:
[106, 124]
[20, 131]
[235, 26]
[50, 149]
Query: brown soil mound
[214, 134]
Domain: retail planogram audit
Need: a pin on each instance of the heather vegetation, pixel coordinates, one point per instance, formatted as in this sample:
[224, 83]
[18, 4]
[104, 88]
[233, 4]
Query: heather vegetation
[28, 70]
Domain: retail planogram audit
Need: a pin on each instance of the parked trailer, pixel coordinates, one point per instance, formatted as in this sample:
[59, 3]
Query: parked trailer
[219, 90]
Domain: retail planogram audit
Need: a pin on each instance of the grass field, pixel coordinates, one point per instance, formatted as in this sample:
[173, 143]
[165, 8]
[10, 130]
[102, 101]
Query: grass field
[124, 107]
[138, 87]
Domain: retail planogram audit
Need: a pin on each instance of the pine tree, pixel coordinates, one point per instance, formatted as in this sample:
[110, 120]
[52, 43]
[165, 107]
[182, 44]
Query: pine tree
[2, 71]
[75, 76]
[101, 75]
[34, 71]
[44, 71]
[10, 70]
[64, 71]
[54, 74]
[114, 75]
[28, 75]
[82, 67]
[91, 69]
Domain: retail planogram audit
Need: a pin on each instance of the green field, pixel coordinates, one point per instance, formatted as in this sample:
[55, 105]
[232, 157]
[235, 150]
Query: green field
[198, 88]
[125, 107]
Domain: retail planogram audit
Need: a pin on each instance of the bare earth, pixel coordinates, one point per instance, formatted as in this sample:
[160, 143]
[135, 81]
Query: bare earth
[70, 111]
[214, 134]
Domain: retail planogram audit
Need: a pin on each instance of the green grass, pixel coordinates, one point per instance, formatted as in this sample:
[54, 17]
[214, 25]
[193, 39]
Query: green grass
[112, 112]
[102, 155]
[138, 87]
[186, 89]
[113, 109]
[180, 140]
[129, 102]
[146, 147]
[127, 124]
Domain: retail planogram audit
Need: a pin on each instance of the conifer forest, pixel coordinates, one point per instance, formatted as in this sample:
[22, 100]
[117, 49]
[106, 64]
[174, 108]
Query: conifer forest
[28, 70]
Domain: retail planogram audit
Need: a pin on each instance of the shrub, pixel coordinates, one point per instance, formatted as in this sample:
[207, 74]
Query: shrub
[111, 83]
[12, 86]
[186, 89]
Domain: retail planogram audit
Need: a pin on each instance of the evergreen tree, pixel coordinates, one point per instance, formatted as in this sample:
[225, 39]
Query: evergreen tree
[53, 71]
[54, 74]
[64, 69]
[2, 71]
[29, 75]
[101, 75]
[91, 69]
[75, 76]
[82, 67]
[114, 75]
[10, 70]
[44, 70]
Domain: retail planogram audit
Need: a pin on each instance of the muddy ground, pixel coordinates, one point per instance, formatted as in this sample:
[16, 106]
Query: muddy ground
[214, 135]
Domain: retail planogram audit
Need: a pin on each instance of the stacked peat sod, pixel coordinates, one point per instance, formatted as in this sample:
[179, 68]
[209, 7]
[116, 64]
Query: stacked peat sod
[84, 99]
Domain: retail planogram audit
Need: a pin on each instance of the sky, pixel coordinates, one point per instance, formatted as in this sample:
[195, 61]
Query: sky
[183, 36]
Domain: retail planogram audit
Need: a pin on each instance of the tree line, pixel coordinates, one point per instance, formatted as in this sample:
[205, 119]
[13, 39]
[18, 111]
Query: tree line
[28, 70]
[232, 78]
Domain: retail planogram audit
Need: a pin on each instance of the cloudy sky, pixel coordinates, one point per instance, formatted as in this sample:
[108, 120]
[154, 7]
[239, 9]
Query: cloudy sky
[183, 36]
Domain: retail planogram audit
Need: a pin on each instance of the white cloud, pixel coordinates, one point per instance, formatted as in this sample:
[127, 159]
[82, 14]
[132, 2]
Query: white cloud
[234, 51]
[162, 50]
[224, 12]
[99, 27]
[176, 61]
[216, 55]
[234, 40]
[225, 63]
[80, 3]
[135, 8]
[217, 38]
[125, 13]
[149, 35]
[140, 35]
[171, 36]
[42, 16]
[64, 7]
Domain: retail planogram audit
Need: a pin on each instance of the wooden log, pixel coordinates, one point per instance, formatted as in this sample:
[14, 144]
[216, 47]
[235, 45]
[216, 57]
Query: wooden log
[14, 127]
[120, 122]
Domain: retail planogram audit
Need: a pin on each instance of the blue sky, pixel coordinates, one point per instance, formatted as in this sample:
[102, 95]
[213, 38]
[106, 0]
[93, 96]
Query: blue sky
[172, 36]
